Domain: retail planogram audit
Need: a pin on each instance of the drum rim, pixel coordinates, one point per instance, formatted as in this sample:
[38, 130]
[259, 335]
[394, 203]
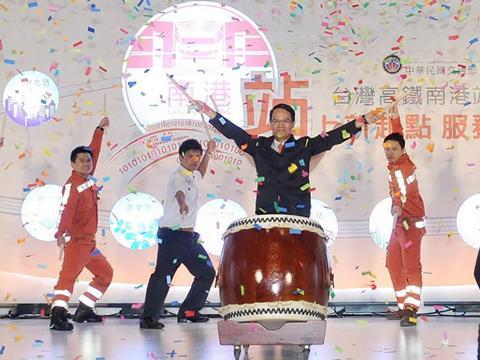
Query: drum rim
[291, 310]
[275, 220]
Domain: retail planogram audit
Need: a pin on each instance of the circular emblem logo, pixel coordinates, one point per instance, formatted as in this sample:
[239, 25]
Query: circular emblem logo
[392, 64]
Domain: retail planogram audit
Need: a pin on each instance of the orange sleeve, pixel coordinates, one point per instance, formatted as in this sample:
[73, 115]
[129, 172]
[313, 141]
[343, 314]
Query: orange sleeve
[396, 125]
[96, 145]
[67, 209]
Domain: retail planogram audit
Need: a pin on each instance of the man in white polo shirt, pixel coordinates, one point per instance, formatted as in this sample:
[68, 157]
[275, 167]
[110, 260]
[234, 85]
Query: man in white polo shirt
[178, 243]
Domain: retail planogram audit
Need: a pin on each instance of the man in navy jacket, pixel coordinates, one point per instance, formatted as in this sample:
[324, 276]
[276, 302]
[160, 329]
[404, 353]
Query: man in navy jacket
[283, 162]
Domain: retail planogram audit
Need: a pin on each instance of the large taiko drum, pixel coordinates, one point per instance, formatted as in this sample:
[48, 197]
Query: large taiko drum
[274, 267]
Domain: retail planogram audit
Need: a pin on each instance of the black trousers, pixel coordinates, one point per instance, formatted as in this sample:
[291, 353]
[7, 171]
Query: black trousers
[476, 271]
[178, 247]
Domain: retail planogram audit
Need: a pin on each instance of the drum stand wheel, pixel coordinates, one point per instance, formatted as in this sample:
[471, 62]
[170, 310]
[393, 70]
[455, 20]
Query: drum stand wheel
[237, 350]
[304, 351]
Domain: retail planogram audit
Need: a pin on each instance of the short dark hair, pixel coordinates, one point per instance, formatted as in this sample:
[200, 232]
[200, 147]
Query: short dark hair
[284, 107]
[189, 144]
[80, 150]
[396, 137]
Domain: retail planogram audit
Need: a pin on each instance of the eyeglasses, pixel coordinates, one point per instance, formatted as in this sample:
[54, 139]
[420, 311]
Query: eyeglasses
[283, 122]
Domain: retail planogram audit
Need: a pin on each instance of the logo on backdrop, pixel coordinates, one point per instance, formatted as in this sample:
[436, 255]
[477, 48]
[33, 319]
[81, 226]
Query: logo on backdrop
[392, 64]
[213, 51]
[30, 98]
[209, 48]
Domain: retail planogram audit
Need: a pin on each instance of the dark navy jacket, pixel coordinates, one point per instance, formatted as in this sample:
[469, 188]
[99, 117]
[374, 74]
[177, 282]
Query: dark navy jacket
[285, 188]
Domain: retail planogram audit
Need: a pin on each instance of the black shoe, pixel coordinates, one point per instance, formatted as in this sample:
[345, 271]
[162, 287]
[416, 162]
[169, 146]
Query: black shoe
[193, 316]
[59, 320]
[409, 317]
[86, 313]
[395, 315]
[149, 323]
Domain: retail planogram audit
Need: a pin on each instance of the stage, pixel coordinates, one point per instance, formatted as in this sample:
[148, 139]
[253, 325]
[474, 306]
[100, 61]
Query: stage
[347, 338]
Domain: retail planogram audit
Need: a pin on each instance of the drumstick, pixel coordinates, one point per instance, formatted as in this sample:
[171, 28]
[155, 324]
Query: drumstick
[394, 221]
[60, 254]
[349, 107]
[214, 103]
[206, 127]
[180, 88]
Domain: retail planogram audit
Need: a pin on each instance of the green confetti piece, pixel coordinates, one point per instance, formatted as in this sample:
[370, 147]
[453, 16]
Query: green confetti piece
[175, 227]
[345, 134]
[305, 186]
[316, 58]
[316, 72]
[362, 322]
[242, 290]
[260, 179]
[201, 256]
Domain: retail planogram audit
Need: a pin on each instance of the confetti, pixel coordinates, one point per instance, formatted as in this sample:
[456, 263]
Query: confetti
[305, 187]
[292, 168]
[32, 4]
[295, 231]
[239, 181]
[430, 147]
[345, 134]
[257, 226]
[242, 290]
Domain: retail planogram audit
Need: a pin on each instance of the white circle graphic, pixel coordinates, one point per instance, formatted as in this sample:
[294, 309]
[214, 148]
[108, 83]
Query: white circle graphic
[380, 223]
[41, 211]
[213, 219]
[468, 224]
[325, 215]
[134, 220]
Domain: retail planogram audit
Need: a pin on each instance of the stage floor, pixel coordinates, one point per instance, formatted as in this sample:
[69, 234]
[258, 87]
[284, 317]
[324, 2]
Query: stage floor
[368, 338]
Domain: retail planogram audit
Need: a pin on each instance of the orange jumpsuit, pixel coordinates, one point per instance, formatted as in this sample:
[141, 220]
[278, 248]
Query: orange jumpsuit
[403, 251]
[79, 218]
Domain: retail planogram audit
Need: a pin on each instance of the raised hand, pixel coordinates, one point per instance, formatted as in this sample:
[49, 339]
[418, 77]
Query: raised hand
[211, 146]
[203, 108]
[105, 122]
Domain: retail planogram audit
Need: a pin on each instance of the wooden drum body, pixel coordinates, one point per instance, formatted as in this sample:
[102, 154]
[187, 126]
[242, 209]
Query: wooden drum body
[274, 267]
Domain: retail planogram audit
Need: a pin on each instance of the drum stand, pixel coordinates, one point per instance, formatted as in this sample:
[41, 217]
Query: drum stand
[304, 334]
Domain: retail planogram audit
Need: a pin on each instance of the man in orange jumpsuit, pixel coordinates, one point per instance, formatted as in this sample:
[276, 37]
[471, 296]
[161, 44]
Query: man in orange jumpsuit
[78, 221]
[403, 251]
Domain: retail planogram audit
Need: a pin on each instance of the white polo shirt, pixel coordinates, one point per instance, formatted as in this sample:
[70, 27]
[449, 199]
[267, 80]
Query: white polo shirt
[187, 182]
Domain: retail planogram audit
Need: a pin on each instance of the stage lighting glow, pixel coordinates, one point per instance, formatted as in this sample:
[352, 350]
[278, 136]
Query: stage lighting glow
[325, 215]
[467, 221]
[381, 223]
[210, 48]
[213, 219]
[30, 98]
[134, 220]
[41, 211]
